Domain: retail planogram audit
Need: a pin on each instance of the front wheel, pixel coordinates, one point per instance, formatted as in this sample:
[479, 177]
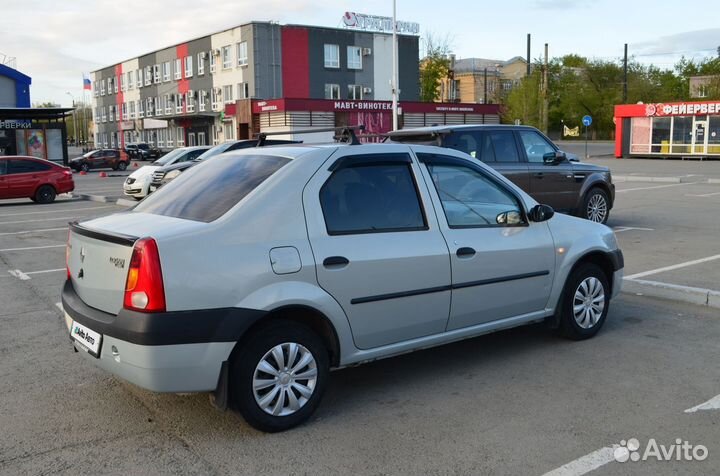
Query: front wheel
[585, 302]
[84, 167]
[279, 375]
[122, 166]
[596, 206]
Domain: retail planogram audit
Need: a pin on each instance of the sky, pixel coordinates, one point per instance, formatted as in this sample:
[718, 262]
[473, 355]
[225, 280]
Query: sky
[55, 41]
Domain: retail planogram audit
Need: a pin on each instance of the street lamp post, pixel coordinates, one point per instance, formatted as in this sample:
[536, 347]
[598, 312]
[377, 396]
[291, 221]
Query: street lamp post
[75, 130]
[395, 70]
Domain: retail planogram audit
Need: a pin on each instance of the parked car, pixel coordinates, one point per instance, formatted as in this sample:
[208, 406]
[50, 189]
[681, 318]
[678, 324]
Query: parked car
[30, 177]
[101, 159]
[143, 151]
[254, 273]
[137, 185]
[532, 161]
[172, 171]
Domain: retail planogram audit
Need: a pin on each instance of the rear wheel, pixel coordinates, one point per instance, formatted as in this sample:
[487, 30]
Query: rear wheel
[122, 165]
[84, 167]
[585, 302]
[279, 375]
[596, 206]
[45, 194]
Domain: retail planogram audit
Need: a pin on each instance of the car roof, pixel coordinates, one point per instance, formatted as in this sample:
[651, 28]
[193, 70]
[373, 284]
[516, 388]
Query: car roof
[444, 129]
[30, 157]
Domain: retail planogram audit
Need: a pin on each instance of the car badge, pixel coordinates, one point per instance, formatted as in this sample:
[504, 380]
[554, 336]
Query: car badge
[82, 254]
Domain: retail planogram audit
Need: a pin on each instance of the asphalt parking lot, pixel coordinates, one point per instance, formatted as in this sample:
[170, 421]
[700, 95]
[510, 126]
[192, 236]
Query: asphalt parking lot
[518, 402]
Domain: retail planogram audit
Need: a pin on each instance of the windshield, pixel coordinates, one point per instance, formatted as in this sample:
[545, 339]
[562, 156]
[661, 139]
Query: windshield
[90, 153]
[170, 156]
[206, 192]
[218, 149]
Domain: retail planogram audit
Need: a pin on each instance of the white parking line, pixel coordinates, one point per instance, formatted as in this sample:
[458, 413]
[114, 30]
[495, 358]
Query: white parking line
[675, 266]
[655, 186]
[54, 211]
[712, 404]
[620, 229]
[589, 462]
[60, 306]
[19, 274]
[46, 271]
[32, 231]
[33, 248]
[38, 220]
[702, 195]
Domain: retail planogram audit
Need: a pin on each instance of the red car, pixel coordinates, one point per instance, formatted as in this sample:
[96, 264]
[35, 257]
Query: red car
[30, 177]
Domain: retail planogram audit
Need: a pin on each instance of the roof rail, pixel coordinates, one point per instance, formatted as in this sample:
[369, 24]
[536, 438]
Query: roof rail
[342, 134]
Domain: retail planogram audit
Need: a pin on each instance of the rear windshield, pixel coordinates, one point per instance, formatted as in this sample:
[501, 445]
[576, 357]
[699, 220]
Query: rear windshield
[208, 191]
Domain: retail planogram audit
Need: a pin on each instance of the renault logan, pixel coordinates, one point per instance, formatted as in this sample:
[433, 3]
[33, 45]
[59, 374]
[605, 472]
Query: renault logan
[253, 274]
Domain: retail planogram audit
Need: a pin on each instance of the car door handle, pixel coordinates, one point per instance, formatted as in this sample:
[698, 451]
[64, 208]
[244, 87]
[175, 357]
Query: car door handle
[539, 174]
[465, 251]
[336, 261]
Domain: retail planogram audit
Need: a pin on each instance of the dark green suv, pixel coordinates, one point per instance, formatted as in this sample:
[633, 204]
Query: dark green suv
[527, 157]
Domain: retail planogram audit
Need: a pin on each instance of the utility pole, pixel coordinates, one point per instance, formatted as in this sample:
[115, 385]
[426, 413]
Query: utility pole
[485, 86]
[527, 72]
[395, 69]
[75, 130]
[625, 78]
[545, 93]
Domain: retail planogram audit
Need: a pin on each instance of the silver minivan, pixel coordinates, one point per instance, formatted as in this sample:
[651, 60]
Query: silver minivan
[252, 275]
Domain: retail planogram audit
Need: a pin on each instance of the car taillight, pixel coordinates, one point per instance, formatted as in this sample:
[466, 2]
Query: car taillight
[67, 255]
[144, 289]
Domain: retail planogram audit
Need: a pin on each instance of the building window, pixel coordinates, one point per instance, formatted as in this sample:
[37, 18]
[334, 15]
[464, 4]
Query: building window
[190, 101]
[115, 84]
[122, 82]
[166, 71]
[702, 91]
[97, 115]
[332, 91]
[229, 131]
[188, 67]
[170, 136]
[216, 98]
[161, 137]
[227, 94]
[166, 104]
[104, 114]
[96, 89]
[124, 112]
[102, 87]
[131, 79]
[139, 78]
[149, 109]
[354, 91]
[354, 57]
[156, 105]
[201, 63]
[148, 75]
[213, 62]
[180, 136]
[226, 57]
[156, 73]
[131, 108]
[202, 98]
[179, 99]
[242, 55]
[243, 91]
[178, 69]
[140, 108]
[332, 56]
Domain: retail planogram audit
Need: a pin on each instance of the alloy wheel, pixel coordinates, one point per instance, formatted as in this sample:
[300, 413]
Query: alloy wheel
[285, 379]
[589, 302]
[597, 208]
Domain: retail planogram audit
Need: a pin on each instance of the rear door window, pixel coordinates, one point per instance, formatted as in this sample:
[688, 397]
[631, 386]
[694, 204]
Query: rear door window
[20, 166]
[372, 198]
[504, 146]
[208, 191]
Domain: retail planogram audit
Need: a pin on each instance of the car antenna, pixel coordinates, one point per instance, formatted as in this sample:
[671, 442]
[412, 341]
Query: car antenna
[342, 134]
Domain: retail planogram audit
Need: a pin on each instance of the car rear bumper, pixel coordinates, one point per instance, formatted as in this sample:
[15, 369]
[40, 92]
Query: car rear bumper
[618, 264]
[177, 351]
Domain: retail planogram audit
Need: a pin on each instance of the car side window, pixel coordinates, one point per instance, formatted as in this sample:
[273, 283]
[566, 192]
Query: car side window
[370, 198]
[3, 167]
[536, 146]
[20, 166]
[476, 144]
[192, 155]
[471, 199]
[504, 146]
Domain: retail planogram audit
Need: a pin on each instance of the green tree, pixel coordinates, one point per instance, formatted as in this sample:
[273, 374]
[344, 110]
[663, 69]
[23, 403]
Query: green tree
[524, 101]
[434, 67]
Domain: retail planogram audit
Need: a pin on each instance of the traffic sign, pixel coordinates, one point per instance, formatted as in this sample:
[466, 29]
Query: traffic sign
[586, 120]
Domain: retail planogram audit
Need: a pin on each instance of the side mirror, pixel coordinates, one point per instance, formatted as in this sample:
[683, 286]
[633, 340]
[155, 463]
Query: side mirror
[554, 158]
[540, 213]
[511, 217]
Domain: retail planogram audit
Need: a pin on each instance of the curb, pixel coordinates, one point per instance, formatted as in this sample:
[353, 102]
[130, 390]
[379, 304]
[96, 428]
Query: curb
[673, 292]
[637, 178]
[123, 202]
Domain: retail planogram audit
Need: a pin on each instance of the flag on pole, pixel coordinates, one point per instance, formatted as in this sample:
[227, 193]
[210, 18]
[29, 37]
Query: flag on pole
[86, 82]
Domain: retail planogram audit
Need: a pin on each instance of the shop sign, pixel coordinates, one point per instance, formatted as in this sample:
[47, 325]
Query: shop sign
[682, 109]
[127, 125]
[362, 106]
[264, 106]
[16, 124]
[362, 21]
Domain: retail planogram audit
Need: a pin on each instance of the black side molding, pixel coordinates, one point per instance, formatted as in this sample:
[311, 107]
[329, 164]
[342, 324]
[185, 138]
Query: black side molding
[117, 238]
[617, 258]
[162, 328]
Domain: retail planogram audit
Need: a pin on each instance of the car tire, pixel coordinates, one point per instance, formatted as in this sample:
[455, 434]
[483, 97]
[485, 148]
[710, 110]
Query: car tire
[122, 166]
[584, 303]
[45, 194]
[264, 390]
[85, 167]
[596, 206]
